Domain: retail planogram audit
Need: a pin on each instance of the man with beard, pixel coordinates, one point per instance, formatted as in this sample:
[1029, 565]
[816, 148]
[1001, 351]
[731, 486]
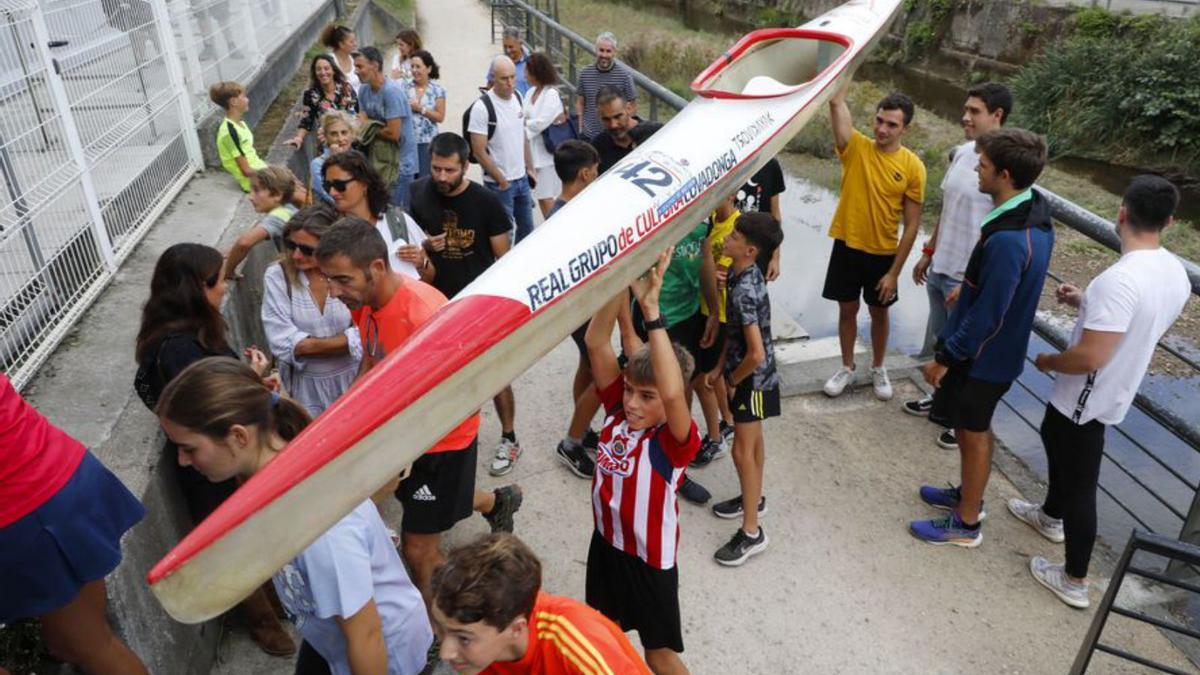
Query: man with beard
[605, 72]
[617, 119]
[468, 230]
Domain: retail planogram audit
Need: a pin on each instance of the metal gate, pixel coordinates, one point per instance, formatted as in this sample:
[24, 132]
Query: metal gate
[99, 101]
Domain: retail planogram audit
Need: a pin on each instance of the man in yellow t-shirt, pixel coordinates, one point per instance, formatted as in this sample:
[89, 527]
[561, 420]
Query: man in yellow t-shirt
[882, 183]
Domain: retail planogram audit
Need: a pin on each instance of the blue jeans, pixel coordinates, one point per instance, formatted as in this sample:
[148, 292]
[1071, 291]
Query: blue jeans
[400, 190]
[424, 169]
[937, 287]
[518, 202]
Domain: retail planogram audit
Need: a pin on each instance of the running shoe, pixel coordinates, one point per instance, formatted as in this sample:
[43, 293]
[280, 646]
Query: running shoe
[947, 440]
[693, 491]
[1032, 515]
[709, 450]
[506, 456]
[508, 502]
[576, 459]
[741, 547]
[948, 529]
[591, 440]
[946, 498]
[1055, 579]
[919, 407]
[836, 384]
[726, 432]
[732, 508]
[881, 383]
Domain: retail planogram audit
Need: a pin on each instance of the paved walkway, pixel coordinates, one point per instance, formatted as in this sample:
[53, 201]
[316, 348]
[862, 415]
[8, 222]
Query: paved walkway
[843, 588]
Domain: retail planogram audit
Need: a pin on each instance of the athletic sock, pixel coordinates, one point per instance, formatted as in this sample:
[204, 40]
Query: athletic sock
[510, 436]
[573, 443]
[969, 526]
[752, 536]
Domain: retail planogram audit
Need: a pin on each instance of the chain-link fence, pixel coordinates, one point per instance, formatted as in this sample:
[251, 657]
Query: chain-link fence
[99, 101]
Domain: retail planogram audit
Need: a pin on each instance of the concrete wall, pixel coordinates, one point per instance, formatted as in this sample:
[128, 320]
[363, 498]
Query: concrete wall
[280, 66]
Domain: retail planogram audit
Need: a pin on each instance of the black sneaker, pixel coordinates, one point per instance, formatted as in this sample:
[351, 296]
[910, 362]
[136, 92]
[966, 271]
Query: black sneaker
[919, 407]
[726, 432]
[591, 440]
[947, 440]
[508, 502]
[576, 459]
[741, 547]
[732, 508]
[709, 450]
[694, 492]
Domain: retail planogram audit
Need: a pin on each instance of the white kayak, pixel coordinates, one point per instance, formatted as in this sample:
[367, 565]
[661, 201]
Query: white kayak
[748, 105]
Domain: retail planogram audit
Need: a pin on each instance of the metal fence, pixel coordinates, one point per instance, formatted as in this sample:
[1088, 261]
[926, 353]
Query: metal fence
[1154, 480]
[99, 101]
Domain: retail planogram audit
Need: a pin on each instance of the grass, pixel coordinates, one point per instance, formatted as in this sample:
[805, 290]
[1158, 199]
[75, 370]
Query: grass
[401, 9]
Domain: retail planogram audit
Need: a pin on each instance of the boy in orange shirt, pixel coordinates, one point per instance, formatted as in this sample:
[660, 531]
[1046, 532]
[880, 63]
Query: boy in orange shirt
[493, 618]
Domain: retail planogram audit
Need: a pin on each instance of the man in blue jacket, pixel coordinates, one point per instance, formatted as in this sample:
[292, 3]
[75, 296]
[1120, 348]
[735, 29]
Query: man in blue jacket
[982, 348]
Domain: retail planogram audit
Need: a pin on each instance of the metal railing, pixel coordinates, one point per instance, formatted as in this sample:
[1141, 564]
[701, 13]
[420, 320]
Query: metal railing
[567, 48]
[1175, 551]
[99, 101]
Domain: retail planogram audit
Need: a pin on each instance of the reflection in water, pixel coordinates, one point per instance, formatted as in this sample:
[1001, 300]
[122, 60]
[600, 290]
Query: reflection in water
[807, 212]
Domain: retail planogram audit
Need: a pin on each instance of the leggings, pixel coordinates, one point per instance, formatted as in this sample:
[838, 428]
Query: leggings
[309, 662]
[1074, 453]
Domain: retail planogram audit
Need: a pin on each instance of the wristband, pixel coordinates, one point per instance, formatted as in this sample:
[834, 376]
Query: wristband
[655, 324]
[927, 251]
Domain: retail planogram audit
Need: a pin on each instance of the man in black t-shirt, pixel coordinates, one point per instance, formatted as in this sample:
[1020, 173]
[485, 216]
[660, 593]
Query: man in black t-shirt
[761, 194]
[468, 230]
[617, 118]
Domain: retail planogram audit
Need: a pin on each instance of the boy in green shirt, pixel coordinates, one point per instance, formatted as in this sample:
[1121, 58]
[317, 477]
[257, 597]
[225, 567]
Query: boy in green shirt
[235, 140]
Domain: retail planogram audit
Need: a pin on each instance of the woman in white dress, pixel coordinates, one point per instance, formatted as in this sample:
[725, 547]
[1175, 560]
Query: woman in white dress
[543, 107]
[309, 331]
[342, 44]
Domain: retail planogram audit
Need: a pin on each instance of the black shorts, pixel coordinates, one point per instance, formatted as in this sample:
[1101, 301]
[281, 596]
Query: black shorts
[578, 337]
[964, 402]
[687, 333]
[440, 491]
[753, 405]
[634, 595]
[709, 356]
[853, 274]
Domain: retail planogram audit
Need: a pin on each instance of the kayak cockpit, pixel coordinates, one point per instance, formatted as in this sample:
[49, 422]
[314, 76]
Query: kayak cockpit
[772, 62]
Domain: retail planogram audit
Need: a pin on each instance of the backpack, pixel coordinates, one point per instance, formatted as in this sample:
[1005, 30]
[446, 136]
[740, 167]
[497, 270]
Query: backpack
[233, 136]
[555, 134]
[491, 123]
[397, 224]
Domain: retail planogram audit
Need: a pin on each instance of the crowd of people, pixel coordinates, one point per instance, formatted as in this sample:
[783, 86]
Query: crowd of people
[389, 228]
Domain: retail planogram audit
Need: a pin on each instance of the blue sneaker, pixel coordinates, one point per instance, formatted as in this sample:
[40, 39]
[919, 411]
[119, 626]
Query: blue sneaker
[946, 498]
[946, 530]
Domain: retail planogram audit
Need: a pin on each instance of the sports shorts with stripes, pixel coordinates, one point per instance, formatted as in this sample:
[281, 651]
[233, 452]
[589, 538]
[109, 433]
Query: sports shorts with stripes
[753, 405]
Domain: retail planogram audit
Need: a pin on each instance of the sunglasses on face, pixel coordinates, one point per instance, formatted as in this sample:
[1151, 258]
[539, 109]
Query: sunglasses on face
[293, 246]
[331, 184]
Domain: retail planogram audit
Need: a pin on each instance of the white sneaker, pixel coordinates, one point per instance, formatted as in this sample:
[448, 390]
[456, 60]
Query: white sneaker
[835, 385]
[1055, 579]
[507, 453]
[1032, 515]
[883, 386]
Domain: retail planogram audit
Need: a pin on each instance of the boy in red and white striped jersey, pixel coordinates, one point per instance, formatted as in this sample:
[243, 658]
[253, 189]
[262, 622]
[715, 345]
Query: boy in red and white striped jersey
[648, 439]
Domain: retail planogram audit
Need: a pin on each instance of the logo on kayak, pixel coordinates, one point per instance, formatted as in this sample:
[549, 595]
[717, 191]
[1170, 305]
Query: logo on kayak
[746, 136]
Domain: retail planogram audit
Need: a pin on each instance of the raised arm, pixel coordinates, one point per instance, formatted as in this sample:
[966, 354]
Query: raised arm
[598, 339]
[668, 377]
[839, 115]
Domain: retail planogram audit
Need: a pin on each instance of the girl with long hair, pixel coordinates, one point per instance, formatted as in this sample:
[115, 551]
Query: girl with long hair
[181, 324]
[347, 592]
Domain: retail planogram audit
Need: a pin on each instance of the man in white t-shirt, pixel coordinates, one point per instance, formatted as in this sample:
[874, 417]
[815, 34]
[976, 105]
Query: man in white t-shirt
[944, 255]
[1122, 315]
[502, 148]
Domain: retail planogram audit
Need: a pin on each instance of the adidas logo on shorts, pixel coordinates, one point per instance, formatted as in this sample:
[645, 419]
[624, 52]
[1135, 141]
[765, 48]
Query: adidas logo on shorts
[424, 494]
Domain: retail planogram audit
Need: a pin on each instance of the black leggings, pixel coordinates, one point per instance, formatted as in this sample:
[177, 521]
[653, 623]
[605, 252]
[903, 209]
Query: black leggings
[309, 662]
[1074, 453]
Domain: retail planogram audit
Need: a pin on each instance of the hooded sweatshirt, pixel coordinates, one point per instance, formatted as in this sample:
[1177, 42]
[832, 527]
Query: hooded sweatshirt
[987, 333]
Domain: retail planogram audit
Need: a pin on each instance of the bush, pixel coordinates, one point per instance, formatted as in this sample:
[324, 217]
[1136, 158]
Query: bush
[1121, 86]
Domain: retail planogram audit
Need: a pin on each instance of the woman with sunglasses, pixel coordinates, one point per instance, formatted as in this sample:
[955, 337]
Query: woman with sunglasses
[357, 190]
[309, 331]
[181, 324]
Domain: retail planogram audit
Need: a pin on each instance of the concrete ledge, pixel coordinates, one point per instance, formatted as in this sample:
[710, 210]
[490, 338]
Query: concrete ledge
[805, 365]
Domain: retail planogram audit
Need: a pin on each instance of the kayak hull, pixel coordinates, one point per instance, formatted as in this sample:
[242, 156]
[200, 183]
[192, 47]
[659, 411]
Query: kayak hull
[521, 308]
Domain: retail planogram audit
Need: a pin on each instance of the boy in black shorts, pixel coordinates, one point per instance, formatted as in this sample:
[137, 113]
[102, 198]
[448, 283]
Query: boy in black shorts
[748, 367]
[982, 348]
